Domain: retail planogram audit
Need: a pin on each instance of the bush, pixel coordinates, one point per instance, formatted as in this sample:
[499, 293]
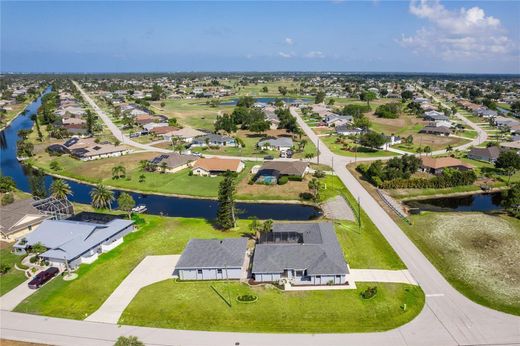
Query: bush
[33, 259]
[294, 178]
[128, 341]
[8, 198]
[283, 180]
[190, 173]
[55, 166]
[388, 111]
[306, 196]
[319, 174]
[4, 268]
[247, 298]
[369, 293]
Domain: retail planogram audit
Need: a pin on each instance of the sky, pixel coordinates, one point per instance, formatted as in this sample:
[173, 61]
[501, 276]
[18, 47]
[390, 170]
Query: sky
[367, 36]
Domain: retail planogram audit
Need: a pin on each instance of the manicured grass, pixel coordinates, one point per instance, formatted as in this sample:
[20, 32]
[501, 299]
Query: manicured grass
[196, 306]
[476, 252]
[13, 277]
[180, 183]
[337, 148]
[79, 298]
[365, 246]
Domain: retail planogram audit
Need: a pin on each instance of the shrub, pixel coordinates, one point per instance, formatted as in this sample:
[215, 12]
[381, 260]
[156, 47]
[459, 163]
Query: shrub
[283, 180]
[388, 111]
[4, 268]
[33, 259]
[128, 341]
[306, 196]
[319, 174]
[294, 178]
[369, 293]
[190, 173]
[55, 166]
[247, 298]
[8, 198]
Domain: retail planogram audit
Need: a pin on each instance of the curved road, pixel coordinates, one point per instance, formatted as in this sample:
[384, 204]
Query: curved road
[448, 317]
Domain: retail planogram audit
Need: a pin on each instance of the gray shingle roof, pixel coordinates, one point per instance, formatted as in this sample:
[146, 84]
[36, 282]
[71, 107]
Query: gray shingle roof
[213, 253]
[12, 214]
[69, 239]
[277, 142]
[319, 253]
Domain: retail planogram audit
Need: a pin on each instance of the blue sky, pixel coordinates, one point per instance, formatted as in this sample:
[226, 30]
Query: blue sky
[417, 36]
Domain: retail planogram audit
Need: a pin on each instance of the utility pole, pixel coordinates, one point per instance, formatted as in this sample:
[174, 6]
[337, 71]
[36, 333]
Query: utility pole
[359, 213]
[333, 172]
[318, 149]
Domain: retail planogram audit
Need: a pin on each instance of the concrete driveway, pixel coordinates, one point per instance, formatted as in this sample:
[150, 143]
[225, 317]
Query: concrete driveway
[151, 269]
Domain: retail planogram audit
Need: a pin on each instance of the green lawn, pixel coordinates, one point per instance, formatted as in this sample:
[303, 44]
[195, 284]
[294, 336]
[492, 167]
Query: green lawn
[336, 148]
[13, 277]
[81, 297]
[195, 306]
[363, 247]
[476, 252]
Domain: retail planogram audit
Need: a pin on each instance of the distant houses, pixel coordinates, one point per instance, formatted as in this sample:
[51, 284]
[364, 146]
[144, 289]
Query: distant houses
[276, 143]
[213, 140]
[489, 154]
[436, 130]
[174, 162]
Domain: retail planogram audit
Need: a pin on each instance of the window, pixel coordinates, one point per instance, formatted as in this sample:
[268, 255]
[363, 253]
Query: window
[318, 276]
[219, 271]
[199, 271]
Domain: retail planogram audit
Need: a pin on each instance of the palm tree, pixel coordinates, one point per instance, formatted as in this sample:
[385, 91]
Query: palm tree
[144, 165]
[101, 197]
[164, 165]
[118, 171]
[60, 189]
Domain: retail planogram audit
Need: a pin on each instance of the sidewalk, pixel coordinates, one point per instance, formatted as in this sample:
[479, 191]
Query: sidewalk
[380, 275]
[15, 296]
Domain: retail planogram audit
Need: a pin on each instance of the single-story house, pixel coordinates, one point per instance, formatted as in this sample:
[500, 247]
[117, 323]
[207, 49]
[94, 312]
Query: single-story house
[149, 127]
[505, 122]
[75, 242]
[391, 140]
[186, 134]
[213, 259]
[174, 162]
[485, 112]
[515, 146]
[270, 115]
[214, 165]
[436, 165]
[346, 130]
[163, 131]
[86, 149]
[436, 130]
[439, 123]
[19, 218]
[489, 154]
[435, 116]
[337, 120]
[271, 171]
[73, 121]
[144, 119]
[302, 254]
[76, 130]
[421, 100]
[276, 143]
[213, 139]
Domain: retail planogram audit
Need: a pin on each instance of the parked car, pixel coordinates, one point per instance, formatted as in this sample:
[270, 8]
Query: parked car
[42, 277]
[268, 157]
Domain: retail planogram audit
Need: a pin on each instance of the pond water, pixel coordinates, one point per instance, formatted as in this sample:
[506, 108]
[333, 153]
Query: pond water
[35, 182]
[476, 202]
[234, 101]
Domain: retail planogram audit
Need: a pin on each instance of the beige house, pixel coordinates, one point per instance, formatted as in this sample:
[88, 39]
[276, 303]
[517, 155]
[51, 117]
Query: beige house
[172, 163]
[215, 165]
[19, 218]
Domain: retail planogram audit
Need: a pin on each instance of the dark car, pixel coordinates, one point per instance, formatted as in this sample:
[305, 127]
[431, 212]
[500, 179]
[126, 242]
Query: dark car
[268, 157]
[42, 277]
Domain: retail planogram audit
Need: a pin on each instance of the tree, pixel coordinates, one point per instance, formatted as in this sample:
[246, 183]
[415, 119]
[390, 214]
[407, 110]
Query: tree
[368, 96]
[362, 122]
[91, 121]
[282, 90]
[427, 150]
[265, 89]
[407, 95]
[246, 101]
[267, 226]
[55, 165]
[128, 341]
[511, 199]
[118, 171]
[515, 107]
[164, 166]
[7, 184]
[142, 178]
[7, 198]
[260, 126]
[126, 203]
[101, 197]
[60, 189]
[38, 248]
[226, 198]
[320, 97]
[509, 162]
[314, 186]
[372, 140]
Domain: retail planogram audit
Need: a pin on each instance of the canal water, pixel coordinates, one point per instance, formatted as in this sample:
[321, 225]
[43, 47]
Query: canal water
[477, 202]
[32, 181]
[234, 101]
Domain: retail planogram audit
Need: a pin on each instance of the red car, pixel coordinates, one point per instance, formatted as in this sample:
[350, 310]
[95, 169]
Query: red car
[41, 278]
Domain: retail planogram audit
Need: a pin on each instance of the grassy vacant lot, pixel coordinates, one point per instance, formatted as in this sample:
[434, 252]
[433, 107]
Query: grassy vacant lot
[13, 277]
[289, 191]
[196, 306]
[81, 297]
[180, 183]
[476, 252]
[337, 148]
[365, 246]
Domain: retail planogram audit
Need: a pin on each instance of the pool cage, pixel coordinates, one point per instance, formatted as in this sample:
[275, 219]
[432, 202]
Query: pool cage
[57, 209]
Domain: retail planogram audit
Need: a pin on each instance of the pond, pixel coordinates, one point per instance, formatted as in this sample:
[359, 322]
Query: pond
[234, 101]
[38, 184]
[477, 202]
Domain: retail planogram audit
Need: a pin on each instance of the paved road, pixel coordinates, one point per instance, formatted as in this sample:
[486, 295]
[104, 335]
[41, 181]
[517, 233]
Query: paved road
[152, 269]
[14, 297]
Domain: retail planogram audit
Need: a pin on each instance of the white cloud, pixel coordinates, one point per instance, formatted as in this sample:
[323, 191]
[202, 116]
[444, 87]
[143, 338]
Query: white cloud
[286, 55]
[315, 54]
[289, 41]
[458, 34]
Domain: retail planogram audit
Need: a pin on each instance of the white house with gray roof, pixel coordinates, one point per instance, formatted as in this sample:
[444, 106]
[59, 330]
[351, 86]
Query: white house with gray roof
[213, 259]
[276, 143]
[75, 242]
[301, 253]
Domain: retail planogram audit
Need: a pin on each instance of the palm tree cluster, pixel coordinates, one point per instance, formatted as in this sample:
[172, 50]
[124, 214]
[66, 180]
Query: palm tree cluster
[102, 197]
[118, 171]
